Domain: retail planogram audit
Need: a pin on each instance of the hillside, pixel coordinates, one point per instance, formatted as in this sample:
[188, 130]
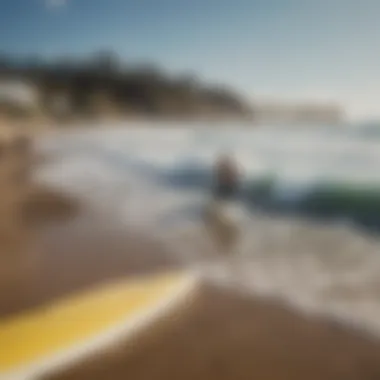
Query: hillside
[103, 85]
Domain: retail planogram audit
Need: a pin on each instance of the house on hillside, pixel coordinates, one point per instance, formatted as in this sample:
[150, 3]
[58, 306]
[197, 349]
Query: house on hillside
[18, 98]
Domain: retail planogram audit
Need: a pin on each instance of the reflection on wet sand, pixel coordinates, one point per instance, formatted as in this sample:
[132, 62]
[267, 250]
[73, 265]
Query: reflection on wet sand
[50, 244]
[71, 255]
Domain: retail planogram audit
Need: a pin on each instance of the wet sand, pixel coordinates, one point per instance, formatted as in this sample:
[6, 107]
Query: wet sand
[68, 256]
[219, 335]
[52, 245]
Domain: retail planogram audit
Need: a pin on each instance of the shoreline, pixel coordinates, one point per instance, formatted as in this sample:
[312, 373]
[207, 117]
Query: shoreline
[39, 125]
[219, 335]
[70, 256]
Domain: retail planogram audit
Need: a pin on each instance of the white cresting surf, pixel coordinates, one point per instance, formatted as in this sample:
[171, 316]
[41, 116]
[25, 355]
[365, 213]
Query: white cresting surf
[329, 269]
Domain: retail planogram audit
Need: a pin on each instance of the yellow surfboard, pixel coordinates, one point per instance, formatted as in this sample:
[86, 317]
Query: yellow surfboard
[41, 340]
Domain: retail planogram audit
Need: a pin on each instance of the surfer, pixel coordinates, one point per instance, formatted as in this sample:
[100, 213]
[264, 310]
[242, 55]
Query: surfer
[220, 214]
[226, 178]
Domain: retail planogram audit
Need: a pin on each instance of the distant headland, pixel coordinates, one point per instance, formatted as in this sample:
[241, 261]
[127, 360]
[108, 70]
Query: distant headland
[101, 85]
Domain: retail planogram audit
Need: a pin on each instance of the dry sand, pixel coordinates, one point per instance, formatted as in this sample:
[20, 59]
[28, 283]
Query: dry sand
[220, 335]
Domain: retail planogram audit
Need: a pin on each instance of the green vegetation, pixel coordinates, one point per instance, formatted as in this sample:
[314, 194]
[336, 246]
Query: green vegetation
[103, 84]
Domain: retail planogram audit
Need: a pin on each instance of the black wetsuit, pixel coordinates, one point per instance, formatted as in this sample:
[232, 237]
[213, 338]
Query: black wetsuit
[225, 190]
[226, 181]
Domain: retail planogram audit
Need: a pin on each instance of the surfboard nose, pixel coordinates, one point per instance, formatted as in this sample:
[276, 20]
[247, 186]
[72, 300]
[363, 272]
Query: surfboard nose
[48, 338]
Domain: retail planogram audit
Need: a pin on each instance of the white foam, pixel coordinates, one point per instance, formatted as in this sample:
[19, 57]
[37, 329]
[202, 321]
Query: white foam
[328, 269]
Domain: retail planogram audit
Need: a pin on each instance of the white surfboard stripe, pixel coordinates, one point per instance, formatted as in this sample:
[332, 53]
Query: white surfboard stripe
[122, 331]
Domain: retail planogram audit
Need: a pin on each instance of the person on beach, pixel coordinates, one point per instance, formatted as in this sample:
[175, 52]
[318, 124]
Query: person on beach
[226, 178]
[220, 219]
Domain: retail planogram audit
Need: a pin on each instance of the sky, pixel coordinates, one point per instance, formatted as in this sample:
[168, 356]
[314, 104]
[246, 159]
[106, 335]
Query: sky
[292, 50]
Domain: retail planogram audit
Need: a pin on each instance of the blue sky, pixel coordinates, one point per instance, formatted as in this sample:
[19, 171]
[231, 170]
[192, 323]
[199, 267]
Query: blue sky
[282, 49]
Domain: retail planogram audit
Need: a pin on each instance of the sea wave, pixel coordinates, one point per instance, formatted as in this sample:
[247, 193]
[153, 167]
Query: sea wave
[158, 179]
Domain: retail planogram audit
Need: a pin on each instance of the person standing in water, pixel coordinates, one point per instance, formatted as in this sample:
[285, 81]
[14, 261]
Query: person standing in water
[226, 178]
[221, 222]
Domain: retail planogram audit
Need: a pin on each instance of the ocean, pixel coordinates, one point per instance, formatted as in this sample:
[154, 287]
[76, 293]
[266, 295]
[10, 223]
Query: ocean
[310, 199]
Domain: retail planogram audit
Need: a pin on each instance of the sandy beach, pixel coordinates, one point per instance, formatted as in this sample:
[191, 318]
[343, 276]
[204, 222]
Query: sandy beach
[219, 334]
